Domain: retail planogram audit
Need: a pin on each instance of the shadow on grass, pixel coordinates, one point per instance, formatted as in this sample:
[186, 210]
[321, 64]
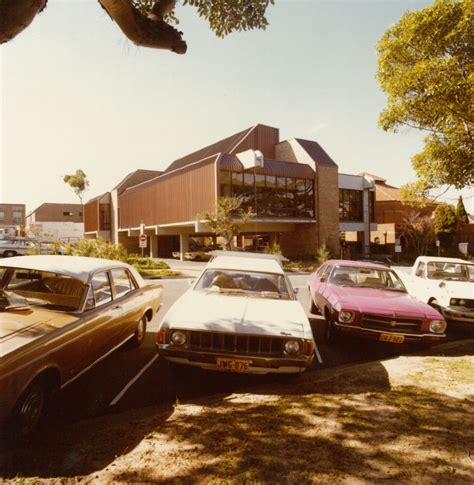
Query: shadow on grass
[405, 435]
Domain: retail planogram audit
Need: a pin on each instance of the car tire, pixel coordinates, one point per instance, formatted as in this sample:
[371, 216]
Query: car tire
[311, 306]
[140, 333]
[197, 258]
[330, 330]
[28, 410]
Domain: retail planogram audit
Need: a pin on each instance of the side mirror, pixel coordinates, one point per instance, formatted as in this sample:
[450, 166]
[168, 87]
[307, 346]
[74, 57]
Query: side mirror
[322, 279]
[296, 290]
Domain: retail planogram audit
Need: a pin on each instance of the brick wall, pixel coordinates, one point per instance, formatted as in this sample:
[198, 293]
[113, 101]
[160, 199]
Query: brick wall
[300, 244]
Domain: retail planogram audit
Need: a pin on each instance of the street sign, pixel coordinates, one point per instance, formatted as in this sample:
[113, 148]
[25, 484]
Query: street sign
[398, 248]
[142, 240]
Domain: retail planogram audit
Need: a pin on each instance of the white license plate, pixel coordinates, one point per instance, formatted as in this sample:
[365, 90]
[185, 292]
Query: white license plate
[233, 365]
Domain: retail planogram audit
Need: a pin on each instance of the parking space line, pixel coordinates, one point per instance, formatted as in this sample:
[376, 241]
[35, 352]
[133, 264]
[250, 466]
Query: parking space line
[318, 355]
[119, 396]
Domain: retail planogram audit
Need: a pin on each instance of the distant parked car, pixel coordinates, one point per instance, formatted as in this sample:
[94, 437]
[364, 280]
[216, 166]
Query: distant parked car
[59, 316]
[370, 300]
[241, 315]
[447, 284]
[15, 247]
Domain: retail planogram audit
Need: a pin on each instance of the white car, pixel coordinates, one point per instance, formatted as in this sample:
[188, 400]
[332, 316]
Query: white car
[241, 315]
[15, 247]
[446, 284]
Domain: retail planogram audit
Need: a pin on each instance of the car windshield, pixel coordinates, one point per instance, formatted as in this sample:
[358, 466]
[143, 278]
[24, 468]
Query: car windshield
[24, 288]
[252, 284]
[444, 270]
[366, 278]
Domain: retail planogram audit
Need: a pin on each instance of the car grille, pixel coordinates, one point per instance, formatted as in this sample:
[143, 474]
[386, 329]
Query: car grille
[468, 303]
[391, 324]
[235, 343]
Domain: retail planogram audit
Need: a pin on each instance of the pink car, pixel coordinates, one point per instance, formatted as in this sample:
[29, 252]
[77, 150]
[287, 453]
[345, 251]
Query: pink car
[370, 300]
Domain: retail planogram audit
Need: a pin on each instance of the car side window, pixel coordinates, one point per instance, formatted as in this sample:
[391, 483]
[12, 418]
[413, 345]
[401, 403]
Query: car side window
[326, 272]
[122, 282]
[420, 270]
[101, 288]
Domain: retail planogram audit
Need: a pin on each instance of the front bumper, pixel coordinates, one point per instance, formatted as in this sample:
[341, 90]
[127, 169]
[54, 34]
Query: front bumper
[375, 334]
[458, 314]
[258, 364]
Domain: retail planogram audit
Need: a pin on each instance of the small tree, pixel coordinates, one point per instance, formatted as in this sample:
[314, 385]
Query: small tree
[322, 254]
[227, 219]
[445, 223]
[419, 232]
[461, 213]
[78, 182]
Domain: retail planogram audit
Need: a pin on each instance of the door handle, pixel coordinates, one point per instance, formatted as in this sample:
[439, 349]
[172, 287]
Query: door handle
[117, 307]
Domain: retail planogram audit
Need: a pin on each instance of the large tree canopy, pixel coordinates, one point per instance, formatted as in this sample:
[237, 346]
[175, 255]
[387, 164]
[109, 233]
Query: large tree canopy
[425, 66]
[147, 23]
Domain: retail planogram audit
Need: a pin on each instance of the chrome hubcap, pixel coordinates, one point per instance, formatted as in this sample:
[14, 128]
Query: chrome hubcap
[30, 410]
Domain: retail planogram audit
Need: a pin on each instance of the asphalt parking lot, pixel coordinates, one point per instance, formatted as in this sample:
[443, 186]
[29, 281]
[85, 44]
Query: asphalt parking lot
[131, 378]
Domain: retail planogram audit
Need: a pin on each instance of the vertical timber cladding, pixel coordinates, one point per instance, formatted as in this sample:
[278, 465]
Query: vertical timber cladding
[175, 197]
[91, 215]
[327, 206]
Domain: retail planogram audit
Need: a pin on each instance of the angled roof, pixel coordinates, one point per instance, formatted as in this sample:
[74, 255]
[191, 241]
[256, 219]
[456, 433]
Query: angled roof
[270, 167]
[227, 145]
[96, 197]
[136, 177]
[375, 177]
[316, 152]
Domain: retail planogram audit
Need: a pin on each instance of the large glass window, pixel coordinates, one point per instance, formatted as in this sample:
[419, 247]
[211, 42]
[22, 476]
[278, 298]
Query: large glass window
[226, 184]
[350, 205]
[268, 195]
[372, 206]
[248, 192]
[261, 202]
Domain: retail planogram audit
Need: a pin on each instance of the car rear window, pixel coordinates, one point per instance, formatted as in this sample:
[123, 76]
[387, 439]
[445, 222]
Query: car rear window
[42, 288]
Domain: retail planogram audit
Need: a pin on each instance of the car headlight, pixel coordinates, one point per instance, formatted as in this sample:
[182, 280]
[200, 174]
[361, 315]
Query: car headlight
[453, 301]
[292, 347]
[462, 302]
[437, 326]
[178, 337]
[346, 316]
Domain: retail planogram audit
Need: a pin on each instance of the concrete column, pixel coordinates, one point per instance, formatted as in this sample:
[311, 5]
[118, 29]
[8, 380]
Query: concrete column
[183, 245]
[153, 246]
[366, 213]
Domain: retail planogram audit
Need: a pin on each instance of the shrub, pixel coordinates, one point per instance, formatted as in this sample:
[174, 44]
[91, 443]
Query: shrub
[99, 248]
[322, 254]
[146, 263]
[273, 249]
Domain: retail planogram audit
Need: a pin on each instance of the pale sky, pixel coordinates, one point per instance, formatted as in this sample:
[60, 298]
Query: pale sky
[75, 93]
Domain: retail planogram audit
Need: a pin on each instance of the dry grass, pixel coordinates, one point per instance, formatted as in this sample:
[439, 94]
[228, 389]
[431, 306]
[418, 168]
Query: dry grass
[408, 420]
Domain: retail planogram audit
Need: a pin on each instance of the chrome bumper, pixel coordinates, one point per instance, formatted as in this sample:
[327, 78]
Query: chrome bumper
[258, 364]
[408, 336]
[458, 315]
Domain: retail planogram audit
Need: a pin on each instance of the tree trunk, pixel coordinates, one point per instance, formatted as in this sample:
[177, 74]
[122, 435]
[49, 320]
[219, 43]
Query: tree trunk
[16, 15]
[147, 31]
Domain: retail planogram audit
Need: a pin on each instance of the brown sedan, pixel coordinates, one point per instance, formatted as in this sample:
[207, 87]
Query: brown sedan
[59, 316]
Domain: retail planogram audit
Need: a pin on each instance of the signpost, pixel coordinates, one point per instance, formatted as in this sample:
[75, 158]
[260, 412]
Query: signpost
[142, 242]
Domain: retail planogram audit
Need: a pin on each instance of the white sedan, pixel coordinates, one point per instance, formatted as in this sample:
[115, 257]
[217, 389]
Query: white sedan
[241, 315]
[446, 284]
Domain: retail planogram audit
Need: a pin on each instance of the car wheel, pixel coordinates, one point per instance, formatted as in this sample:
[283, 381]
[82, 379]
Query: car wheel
[140, 332]
[28, 410]
[311, 306]
[197, 258]
[331, 332]
[9, 254]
